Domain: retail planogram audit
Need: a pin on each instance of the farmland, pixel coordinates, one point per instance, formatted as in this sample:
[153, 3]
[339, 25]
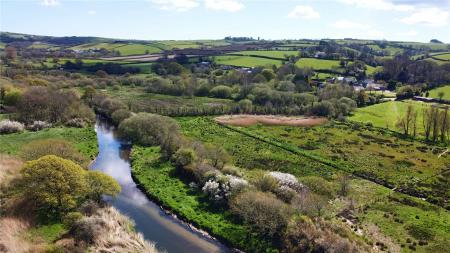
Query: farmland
[272, 54]
[246, 61]
[444, 57]
[386, 114]
[434, 93]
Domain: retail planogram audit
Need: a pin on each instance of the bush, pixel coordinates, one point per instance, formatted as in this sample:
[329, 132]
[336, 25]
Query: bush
[266, 183]
[38, 125]
[8, 127]
[221, 91]
[71, 218]
[288, 180]
[120, 115]
[308, 236]
[77, 122]
[263, 211]
[151, 130]
[58, 147]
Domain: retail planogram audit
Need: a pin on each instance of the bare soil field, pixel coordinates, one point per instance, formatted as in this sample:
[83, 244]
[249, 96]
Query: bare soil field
[274, 120]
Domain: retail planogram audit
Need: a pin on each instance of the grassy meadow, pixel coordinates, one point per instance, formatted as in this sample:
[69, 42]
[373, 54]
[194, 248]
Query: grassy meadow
[434, 93]
[387, 114]
[246, 61]
[269, 53]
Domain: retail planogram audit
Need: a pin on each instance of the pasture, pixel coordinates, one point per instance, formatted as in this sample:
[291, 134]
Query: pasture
[434, 93]
[386, 114]
[246, 61]
[443, 57]
[271, 53]
[137, 49]
[318, 64]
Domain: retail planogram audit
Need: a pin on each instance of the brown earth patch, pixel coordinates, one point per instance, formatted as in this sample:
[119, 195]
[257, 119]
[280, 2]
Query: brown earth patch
[273, 120]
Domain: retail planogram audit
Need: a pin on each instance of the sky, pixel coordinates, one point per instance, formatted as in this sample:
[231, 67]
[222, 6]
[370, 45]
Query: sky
[406, 20]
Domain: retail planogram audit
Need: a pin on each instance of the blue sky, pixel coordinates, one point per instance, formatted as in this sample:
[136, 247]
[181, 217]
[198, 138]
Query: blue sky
[410, 20]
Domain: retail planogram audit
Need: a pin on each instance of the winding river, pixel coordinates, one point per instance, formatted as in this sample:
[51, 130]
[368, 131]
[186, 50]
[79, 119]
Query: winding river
[169, 233]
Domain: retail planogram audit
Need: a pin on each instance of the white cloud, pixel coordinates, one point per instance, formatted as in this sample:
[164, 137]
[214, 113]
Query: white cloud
[50, 2]
[383, 5]
[225, 5]
[303, 11]
[347, 24]
[92, 12]
[427, 16]
[176, 5]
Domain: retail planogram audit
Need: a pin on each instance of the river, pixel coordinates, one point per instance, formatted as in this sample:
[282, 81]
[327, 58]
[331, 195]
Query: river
[169, 233]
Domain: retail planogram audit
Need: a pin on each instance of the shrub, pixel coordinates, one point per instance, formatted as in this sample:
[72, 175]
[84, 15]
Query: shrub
[77, 122]
[120, 115]
[288, 180]
[184, 157]
[8, 127]
[150, 130]
[38, 125]
[266, 183]
[221, 91]
[308, 236]
[71, 218]
[61, 148]
[99, 183]
[263, 211]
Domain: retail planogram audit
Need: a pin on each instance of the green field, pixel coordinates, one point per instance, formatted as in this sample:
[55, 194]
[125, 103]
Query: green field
[84, 139]
[104, 45]
[141, 101]
[434, 93]
[444, 57]
[137, 49]
[318, 64]
[386, 114]
[273, 54]
[246, 61]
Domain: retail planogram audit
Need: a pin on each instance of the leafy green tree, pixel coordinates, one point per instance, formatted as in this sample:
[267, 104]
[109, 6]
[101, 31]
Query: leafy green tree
[99, 184]
[53, 183]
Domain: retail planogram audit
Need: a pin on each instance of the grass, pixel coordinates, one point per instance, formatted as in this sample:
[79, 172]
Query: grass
[246, 61]
[358, 150]
[139, 100]
[49, 232]
[272, 53]
[444, 57]
[250, 153]
[160, 181]
[136, 49]
[387, 114]
[376, 155]
[434, 93]
[318, 64]
[84, 139]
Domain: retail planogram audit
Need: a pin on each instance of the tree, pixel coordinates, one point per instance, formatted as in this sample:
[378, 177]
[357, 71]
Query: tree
[53, 183]
[216, 155]
[151, 130]
[441, 94]
[99, 184]
[408, 121]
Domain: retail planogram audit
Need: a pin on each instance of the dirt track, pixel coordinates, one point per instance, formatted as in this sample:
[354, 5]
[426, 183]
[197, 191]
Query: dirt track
[275, 120]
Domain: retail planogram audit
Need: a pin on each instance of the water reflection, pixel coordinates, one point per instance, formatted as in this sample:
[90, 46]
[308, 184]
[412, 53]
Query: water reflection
[168, 233]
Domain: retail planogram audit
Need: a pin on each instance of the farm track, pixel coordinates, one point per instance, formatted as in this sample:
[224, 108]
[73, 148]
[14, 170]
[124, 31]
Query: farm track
[325, 161]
